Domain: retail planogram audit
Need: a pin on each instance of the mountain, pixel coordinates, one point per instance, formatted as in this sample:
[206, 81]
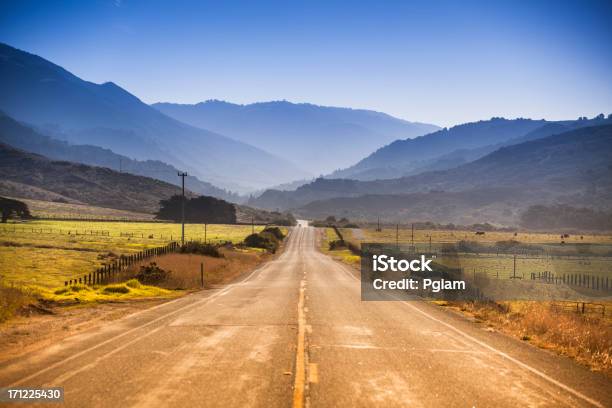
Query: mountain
[573, 167]
[28, 175]
[25, 138]
[40, 93]
[318, 138]
[462, 156]
[404, 157]
[74, 182]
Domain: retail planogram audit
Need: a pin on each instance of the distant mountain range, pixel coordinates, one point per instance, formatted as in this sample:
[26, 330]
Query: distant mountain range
[42, 94]
[573, 167]
[449, 148]
[410, 156]
[319, 139]
[22, 137]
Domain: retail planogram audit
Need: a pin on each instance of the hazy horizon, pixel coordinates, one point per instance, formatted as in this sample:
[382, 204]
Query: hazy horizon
[443, 63]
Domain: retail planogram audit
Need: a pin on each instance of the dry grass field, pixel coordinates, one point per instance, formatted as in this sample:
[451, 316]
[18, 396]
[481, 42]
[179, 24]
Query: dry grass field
[46, 253]
[589, 254]
[388, 234]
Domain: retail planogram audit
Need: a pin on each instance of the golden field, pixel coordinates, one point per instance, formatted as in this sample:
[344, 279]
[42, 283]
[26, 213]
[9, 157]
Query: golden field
[46, 253]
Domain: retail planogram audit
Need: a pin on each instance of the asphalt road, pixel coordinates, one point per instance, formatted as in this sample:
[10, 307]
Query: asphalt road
[295, 332]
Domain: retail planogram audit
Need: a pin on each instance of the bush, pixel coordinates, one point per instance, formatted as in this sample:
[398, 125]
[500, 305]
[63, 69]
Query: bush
[152, 274]
[513, 245]
[200, 248]
[11, 300]
[116, 289]
[276, 232]
[337, 244]
[264, 240]
[133, 283]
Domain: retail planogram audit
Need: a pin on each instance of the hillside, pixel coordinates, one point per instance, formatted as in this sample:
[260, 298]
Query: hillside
[462, 156]
[319, 138]
[97, 186]
[40, 93]
[573, 167]
[34, 177]
[25, 138]
[404, 157]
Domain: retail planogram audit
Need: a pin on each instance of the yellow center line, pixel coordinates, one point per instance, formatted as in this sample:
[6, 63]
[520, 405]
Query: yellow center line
[300, 357]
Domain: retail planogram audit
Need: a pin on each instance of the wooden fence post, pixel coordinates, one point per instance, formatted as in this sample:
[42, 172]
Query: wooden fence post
[202, 274]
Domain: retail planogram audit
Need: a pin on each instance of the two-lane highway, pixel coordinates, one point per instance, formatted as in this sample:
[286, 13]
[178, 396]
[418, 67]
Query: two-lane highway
[295, 332]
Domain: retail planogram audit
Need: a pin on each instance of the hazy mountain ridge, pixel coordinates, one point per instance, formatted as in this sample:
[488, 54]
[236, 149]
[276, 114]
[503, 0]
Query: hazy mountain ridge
[318, 138]
[20, 136]
[47, 96]
[574, 166]
[409, 156]
[462, 156]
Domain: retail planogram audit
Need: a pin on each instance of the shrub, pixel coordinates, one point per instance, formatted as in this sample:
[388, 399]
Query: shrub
[11, 300]
[152, 274]
[133, 283]
[200, 248]
[276, 232]
[116, 289]
[337, 244]
[77, 287]
[464, 246]
[265, 240]
[516, 246]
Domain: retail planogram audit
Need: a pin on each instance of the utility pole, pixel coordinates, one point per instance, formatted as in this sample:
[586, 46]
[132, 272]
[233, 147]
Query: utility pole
[120, 166]
[183, 175]
[397, 236]
[205, 240]
[413, 235]
[378, 227]
[252, 225]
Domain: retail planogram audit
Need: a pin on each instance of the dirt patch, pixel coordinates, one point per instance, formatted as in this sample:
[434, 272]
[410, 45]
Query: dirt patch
[185, 268]
[35, 330]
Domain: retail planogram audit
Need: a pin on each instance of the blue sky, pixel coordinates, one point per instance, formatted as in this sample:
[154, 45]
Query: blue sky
[439, 62]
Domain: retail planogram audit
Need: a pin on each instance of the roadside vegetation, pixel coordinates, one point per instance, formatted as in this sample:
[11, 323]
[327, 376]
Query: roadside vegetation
[269, 239]
[585, 337]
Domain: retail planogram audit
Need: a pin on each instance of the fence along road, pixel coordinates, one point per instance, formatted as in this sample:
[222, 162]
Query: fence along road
[295, 332]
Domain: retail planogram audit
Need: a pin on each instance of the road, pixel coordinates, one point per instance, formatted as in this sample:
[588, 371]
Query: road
[295, 333]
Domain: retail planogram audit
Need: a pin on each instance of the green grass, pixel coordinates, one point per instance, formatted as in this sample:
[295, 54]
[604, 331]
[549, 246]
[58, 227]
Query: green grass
[106, 293]
[344, 255]
[46, 253]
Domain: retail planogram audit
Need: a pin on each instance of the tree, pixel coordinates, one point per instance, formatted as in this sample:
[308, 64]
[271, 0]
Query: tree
[331, 219]
[10, 207]
[201, 209]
